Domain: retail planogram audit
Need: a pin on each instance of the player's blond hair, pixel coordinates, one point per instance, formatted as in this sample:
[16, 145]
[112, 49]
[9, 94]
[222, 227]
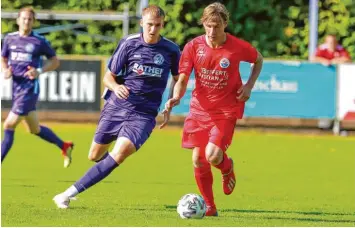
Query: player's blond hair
[215, 12]
[153, 10]
[27, 9]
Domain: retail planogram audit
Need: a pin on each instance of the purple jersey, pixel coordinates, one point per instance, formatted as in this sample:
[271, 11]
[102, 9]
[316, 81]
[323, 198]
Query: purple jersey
[21, 52]
[144, 69]
[24, 51]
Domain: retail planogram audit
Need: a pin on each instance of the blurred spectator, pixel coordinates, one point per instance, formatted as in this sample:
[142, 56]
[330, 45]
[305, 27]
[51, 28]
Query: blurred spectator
[331, 52]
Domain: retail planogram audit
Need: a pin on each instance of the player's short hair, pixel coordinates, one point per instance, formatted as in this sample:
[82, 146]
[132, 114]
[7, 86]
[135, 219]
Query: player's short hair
[27, 9]
[215, 12]
[153, 10]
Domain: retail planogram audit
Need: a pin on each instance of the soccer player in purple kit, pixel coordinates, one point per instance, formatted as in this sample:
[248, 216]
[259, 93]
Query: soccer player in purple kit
[21, 59]
[145, 61]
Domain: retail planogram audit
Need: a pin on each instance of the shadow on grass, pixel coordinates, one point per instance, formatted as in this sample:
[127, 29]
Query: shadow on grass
[132, 182]
[27, 186]
[78, 208]
[317, 213]
[286, 212]
[313, 219]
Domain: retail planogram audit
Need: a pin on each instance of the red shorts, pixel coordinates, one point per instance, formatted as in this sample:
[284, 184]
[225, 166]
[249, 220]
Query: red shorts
[198, 133]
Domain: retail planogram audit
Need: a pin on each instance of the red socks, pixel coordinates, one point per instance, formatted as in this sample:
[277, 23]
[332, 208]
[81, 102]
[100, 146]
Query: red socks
[225, 165]
[204, 180]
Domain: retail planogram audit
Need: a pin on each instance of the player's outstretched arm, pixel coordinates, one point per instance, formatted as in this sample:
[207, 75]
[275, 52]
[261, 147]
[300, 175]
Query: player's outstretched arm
[121, 91]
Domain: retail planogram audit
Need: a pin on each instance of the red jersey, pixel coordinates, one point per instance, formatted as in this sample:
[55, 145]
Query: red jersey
[217, 76]
[323, 51]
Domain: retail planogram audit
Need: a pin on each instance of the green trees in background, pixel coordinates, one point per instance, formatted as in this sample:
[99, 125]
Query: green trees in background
[278, 28]
[335, 16]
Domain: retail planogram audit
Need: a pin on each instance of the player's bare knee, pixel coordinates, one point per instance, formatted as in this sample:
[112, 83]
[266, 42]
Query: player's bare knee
[34, 131]
[122, 150]
[120, 157]
[8, 125]
[97, 151]
[211, 156]
[213, 159]
[120, 160]
[93, 157]
[94, 154]
[214, 155]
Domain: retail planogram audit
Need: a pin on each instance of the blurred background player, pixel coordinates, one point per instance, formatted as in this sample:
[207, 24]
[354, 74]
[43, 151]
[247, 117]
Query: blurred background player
[131, 106]
[331, 52]
[217, 100]
[328, 53]
[21, 59]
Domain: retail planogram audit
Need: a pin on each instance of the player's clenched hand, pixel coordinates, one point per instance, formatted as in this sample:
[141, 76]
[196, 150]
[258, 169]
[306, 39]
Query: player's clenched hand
[121, 91]
[31, 72]
[166, 114]
[243, 93]
[8, 72]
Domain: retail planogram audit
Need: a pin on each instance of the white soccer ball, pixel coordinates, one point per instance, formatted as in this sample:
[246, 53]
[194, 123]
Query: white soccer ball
[191, 206]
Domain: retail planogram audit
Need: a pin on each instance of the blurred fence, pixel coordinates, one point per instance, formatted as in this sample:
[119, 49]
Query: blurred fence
[286, 93]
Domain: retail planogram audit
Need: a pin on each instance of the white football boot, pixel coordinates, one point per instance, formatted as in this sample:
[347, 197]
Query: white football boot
[62, 201]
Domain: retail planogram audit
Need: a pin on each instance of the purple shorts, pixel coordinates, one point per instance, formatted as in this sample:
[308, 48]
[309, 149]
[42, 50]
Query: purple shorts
[23, 103]
[117, 122]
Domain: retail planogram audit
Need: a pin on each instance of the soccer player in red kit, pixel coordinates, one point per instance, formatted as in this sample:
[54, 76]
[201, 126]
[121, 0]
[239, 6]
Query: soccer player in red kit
[217, 100]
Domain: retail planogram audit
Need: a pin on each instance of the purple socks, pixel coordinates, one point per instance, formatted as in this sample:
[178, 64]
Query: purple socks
[96, 173]
[7, 142]
[48, 135]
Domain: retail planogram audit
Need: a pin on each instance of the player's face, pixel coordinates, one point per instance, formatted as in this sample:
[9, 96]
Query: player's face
[214, 30]
[331, 42]
[25, 21]
[151, 27]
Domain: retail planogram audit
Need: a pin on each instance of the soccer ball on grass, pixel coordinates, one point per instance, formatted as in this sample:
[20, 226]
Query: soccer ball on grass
[191, 206]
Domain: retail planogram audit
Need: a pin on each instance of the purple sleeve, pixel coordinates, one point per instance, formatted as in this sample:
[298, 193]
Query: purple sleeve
[5, 48]
[119, 58]
[47, 50]
[175, 63]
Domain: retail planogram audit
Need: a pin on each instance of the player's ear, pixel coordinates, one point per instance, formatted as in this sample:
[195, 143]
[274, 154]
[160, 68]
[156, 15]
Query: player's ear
[225, 24]
[141, 22]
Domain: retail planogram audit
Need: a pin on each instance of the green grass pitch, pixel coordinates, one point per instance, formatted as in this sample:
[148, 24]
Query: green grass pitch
[282, 180]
